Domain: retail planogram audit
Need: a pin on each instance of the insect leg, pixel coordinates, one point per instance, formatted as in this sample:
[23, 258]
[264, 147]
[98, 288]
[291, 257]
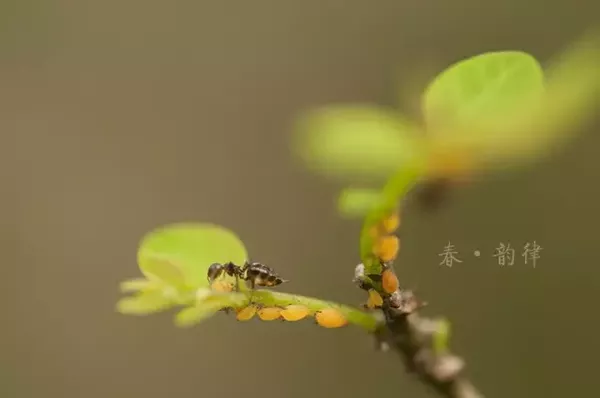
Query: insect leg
[252, 286]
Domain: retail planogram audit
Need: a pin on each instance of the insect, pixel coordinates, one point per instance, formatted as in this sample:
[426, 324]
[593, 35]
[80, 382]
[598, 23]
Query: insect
[269, 313]
[246, 313]
[256, 274]
[294, 312]
[389, 280]
[375, 300]
[222, 286]
[330, 318]
[386, 248]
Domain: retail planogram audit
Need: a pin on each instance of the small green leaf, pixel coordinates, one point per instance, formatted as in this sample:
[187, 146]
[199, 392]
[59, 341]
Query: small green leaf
[144, 303]
[477, 93]
[138, 284]
[186, 250]
[356, 141]
[356, 202]
[571, 101]
[191, 316]
[501, 111]
[163, 269]
[207, 307]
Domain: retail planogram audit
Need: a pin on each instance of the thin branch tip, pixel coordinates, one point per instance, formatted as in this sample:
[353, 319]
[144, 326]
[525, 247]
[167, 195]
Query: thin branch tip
[420, 341]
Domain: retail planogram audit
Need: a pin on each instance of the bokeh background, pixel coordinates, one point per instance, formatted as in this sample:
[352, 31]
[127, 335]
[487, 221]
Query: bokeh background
[120, 115]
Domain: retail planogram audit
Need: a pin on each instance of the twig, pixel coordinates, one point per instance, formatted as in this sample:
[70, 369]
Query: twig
[414, 337]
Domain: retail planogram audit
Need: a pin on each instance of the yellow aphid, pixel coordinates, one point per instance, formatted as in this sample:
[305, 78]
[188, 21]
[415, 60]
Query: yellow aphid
[330, 318]
[246, 313]
[389, 281]
[294, 312]
[374, 300]
[391, 223]
[222, 286]
[269, 313]
[386, 248]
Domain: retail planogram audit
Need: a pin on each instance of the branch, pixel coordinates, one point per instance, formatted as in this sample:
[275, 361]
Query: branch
[151, 296]
[420, 341]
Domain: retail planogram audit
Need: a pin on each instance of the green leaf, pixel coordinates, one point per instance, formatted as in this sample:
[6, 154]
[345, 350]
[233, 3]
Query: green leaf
[356, 202]
[478, 93]
[497, 109]
[571, 100]
[207, 307]
[162, 268]
[184, 251]
[136, 285]
[356, 141]
[144, 303]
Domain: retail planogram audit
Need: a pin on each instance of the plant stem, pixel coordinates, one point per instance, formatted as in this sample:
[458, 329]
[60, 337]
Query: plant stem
[396, 187]
[421, 342]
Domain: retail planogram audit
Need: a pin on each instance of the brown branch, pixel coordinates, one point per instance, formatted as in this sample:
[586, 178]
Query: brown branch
[412, 337]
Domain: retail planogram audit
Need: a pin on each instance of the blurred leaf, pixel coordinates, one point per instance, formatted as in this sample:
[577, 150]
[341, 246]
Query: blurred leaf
[517, 118]
[356, 202]
[186, 250]
[161, 268]
[207, 307]
[571, 101]
[144, 303]
[357, 141]
[138, 284]
[476, 93]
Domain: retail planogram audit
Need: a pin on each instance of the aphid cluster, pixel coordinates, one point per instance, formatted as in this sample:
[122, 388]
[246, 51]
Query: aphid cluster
[326, 317]
[385, 248]
[385, 244]
[257, 274]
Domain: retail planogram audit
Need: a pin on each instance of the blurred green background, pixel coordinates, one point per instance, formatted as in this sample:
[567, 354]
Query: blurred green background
[119, 116]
